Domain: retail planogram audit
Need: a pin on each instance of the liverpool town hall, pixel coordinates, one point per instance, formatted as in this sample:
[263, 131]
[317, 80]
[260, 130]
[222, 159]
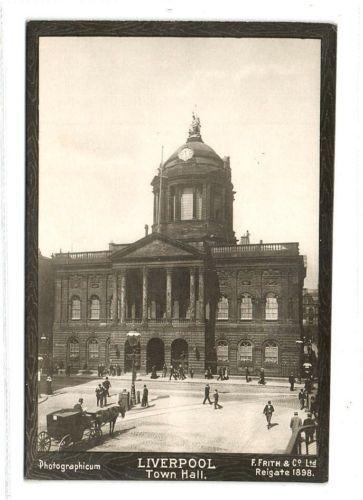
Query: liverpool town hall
[195, 295]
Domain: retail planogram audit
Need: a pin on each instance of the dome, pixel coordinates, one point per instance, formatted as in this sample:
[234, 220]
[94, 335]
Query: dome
[193, 152]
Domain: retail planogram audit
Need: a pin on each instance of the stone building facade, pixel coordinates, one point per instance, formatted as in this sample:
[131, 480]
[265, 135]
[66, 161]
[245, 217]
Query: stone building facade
[195, 296]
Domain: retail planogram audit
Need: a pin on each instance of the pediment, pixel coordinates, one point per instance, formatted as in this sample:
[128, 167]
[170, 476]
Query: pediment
[156, 247]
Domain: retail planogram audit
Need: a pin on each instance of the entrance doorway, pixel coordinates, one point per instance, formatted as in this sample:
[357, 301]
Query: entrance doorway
[179, 353]
[155, 354]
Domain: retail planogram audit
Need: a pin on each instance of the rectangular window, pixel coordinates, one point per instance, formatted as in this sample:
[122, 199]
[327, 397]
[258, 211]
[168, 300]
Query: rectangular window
[272, 354]
[186, 204]
[93, 350]
[73, 350]
[199, 203]
[222, 312]
[272, 310]
[245, 352]
[76, 309]
[246, 308]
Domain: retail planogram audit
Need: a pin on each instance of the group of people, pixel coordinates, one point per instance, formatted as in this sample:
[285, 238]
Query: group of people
[217, 406]
[103, 392]
[112, 370]
[177, 372]
[223, 373]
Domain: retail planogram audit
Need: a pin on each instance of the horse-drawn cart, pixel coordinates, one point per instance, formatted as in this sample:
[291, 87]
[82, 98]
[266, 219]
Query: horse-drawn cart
[70, 428]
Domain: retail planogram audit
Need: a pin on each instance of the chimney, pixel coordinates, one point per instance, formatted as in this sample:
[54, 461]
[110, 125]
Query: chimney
[146, 229]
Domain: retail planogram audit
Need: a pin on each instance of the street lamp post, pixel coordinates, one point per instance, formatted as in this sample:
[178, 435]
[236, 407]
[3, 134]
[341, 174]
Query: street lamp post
[133, 338]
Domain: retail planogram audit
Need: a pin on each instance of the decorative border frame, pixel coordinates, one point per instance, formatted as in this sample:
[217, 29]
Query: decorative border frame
[229, 467]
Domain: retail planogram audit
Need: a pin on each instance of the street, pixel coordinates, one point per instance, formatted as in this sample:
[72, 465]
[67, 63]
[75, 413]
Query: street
[177, 421]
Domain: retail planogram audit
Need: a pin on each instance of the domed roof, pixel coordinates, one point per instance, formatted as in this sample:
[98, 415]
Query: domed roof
[194, 150]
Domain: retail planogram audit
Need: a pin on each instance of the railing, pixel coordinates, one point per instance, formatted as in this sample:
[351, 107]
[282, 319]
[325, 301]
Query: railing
[303, 441]
[259, 249]
[71, 257]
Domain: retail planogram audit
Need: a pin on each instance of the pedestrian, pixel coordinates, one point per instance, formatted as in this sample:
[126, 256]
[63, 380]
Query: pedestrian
[99, 370]
[206, 373]
[226, 373]
[301, 397]
[268, 411]
[206, 394]
[220, 374]
[309, 432]
[247, 375]
[118, 370]
[171, 371]
[107, 384]
[262, 377]
[181, 373]
[99, 395]
[291, 381]
[68, 371]
[145, 397]
[295, 422]
[313, 406]
[165, 370]
[217, 406]
[191, 373]
[49, 385]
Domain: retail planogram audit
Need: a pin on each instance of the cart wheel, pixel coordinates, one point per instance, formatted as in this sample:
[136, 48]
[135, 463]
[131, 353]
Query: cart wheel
[66, 442]
[44, 441]
[89, 434]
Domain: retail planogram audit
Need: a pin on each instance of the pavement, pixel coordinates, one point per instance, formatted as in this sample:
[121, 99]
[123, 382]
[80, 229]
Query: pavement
[177, 421]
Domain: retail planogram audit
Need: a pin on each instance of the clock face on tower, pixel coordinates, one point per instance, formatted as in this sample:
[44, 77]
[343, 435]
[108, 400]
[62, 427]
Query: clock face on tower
[185, 154]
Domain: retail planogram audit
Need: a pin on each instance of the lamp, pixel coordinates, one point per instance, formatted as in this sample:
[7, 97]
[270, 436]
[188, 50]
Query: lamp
[133, 338]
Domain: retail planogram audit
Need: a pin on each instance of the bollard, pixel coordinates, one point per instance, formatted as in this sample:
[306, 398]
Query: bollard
[138, 397]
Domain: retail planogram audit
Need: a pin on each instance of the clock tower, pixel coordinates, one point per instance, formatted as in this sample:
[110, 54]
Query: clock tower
[193, 193]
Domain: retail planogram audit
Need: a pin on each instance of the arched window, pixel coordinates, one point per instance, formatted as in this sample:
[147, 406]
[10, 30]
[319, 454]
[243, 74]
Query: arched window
[246, 307]
[92, 349]
[245, 351]
[186, 203]
[75, 308]
[222, 311]
[271, 353]
[94, 307]
[222, 351]
[73, 349]
[272, 307]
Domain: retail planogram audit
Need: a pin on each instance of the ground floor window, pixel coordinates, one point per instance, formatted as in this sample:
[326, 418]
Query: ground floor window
[73, 349]
[222, 351]
[245, 352]
[93, 349]
[271, 352]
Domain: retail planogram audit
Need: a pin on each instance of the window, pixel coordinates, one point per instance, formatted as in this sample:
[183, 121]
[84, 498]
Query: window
[222, 351]
[94, 307]
[198, 203]
[246, 307]
[73, 349]
[222, 312]
[93, 349]
[186, 204]
[245, 351]
[76, 308]
[272, 308]
[271, 353]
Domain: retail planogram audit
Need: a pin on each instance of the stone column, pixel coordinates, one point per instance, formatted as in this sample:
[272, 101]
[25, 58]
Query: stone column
[115, 298]
[201, 295]
[144, 294]
[123, 297]
[192, 294]
[169, 276]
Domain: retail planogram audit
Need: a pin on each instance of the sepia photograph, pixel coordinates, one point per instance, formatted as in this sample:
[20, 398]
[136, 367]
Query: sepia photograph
[179, 258]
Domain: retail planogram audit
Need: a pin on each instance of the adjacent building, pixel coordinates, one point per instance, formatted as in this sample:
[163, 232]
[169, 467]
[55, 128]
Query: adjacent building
[196, 295]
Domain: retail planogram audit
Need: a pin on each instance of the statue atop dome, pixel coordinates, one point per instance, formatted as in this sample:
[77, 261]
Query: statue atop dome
[194, 129]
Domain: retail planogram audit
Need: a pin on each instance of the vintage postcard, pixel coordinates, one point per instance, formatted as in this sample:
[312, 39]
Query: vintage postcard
[179, 232]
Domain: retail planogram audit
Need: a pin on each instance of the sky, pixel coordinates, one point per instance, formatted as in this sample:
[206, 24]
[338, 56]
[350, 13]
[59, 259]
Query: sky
[108, 105]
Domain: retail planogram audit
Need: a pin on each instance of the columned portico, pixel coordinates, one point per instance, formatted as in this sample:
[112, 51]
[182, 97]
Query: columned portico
[123, 297]
[201, 298]
[169, 278]
[115, 298]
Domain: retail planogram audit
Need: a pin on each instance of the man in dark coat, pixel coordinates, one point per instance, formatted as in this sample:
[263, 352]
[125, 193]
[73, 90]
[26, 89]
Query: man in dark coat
[291, 381]
[247, 375]
[99, 395]
[309, 433]
[301, 397]
[107, 384]
[206, 394]
[79, 406]
[145, 397]
[217, 406]
[268, 411]
[262, 377]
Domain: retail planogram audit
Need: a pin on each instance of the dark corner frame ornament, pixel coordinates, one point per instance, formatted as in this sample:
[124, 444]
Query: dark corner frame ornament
[115, 465]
